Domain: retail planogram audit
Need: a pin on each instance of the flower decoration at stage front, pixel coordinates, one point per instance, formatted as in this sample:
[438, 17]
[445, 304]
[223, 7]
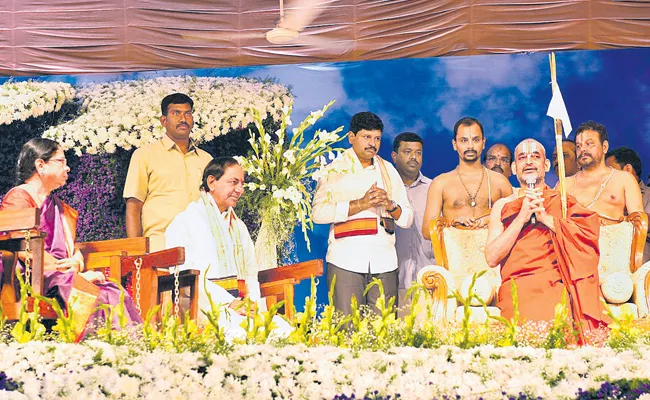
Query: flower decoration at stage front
[126, 114]
[279, 172]
[22, 100]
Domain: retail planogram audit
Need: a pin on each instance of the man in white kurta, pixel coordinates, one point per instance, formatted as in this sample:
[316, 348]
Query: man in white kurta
[362, 197]
[191, 229]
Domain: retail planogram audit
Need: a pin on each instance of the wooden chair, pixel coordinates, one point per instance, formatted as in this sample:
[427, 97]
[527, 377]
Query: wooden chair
[275, 284]
[621, 244]
[17, 229]
[459, 253]
[155, 279]
[121, 256]
[278, 284]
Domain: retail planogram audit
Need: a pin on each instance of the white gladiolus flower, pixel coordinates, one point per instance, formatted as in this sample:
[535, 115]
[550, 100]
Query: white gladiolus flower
[290, 156]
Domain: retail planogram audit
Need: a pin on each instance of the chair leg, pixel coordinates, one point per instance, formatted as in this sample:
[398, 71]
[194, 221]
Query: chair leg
[148, 291]
[194, 299]
[288, 300]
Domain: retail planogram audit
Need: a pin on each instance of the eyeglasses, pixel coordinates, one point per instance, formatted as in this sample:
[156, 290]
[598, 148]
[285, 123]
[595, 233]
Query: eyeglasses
[63, 161]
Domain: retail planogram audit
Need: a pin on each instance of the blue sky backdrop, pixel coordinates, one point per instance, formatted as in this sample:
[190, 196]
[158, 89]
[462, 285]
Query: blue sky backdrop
[508, 93]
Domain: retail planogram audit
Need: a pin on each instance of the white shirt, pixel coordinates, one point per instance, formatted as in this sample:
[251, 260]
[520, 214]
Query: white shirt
[191, 229]
[346, 180]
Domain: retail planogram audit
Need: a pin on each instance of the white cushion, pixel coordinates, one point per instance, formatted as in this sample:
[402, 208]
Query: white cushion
[465, 250]
[617, 287]
[483, 288]
[615, 243]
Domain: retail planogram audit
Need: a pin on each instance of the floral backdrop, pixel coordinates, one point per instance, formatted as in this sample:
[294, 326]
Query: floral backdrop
[101, 124]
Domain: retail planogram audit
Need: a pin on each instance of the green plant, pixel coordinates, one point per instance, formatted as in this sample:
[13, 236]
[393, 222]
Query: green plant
[332, 325]
[511, 325]
[28, 327]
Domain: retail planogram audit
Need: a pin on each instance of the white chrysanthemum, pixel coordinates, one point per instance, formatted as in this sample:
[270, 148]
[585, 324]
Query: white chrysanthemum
[23, 100]
[129, 110]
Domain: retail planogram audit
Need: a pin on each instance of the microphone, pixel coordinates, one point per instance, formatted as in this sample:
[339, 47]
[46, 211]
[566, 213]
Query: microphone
[531, 185]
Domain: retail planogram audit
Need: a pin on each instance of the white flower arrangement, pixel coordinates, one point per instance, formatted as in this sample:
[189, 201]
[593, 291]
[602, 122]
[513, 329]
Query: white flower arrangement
[22, 100]
[125, 114]
[279, 172]
[99, 370]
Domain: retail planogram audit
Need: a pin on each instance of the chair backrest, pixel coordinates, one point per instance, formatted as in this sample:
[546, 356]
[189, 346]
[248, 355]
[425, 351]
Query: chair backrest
[20, 220]
[14, 224]
[460, 250]
[621, 243]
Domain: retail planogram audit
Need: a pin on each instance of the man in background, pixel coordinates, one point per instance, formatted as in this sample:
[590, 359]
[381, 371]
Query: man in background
[498, 159]
[626, 159]
[413, 251]
[570, 164]
[164, 176]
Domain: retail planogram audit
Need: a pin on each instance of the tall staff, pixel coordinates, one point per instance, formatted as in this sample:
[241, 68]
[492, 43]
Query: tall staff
[557, 110]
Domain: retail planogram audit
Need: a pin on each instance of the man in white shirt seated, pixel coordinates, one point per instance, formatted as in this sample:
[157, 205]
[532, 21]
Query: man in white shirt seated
[214, 237]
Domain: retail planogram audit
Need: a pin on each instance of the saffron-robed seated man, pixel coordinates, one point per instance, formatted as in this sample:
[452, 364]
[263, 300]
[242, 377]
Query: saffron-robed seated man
[213, 236]
[546, 254]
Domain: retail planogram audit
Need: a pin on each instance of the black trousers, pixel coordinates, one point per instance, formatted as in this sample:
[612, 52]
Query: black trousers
[350, 284]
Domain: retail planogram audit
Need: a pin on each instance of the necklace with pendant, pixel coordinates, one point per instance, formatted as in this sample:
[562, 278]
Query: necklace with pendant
[472, 198]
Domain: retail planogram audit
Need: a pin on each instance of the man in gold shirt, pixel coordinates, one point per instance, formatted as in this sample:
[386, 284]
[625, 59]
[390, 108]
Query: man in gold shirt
[164, 176]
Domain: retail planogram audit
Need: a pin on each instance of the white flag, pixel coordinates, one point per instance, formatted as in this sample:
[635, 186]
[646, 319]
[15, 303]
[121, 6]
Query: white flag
[557, 109]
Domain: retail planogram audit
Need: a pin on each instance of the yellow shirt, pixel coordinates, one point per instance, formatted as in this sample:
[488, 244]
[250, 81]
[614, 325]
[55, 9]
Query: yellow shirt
[166, 181]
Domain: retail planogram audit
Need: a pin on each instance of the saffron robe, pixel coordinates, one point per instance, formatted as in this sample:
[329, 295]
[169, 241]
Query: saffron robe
[542, 263]
[59, 221]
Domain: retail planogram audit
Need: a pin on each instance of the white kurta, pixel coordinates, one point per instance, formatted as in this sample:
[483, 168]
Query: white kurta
[190, 229]
[345, 181]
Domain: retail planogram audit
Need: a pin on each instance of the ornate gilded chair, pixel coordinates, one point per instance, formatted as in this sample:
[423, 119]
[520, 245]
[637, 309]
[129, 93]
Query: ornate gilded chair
[625, 283]
[459, 253]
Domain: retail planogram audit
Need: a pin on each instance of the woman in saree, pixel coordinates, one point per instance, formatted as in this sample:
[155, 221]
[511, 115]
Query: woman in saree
[41, 169]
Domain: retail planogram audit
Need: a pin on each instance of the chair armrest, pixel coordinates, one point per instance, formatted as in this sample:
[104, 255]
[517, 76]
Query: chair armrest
[299, 271]
[158, 259]
[440, 284]
[641, 281]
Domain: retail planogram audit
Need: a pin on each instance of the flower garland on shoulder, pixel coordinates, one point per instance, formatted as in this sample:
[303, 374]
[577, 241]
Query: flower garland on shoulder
[280, 173]
[22, 100]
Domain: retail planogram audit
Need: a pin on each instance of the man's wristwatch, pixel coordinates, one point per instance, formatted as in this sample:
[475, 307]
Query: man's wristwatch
[394, 207]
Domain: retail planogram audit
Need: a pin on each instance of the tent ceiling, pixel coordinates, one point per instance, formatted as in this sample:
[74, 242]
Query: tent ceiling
[92, 36]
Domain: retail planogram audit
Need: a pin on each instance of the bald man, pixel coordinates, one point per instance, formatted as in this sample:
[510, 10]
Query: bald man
[542, 252]
[498, 159]
[609, 192]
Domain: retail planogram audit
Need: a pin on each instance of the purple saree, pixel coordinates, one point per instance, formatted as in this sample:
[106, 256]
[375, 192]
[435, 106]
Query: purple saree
[60, 285]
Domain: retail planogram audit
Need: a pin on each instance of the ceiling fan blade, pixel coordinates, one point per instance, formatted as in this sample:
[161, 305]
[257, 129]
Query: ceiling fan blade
[330, 45]
[221, 36]
[300, 14]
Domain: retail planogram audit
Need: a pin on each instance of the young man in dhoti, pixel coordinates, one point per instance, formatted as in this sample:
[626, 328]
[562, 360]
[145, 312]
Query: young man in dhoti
[214, 237]
[542, 252]
[465, 194]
